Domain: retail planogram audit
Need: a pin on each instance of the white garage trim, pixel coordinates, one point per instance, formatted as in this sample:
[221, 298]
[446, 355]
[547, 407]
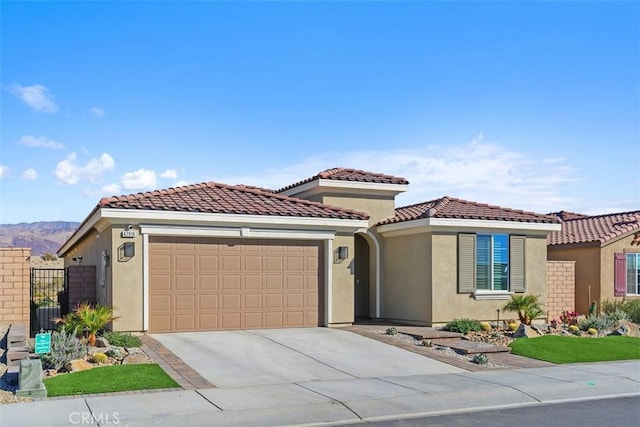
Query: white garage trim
[145, 282]
[328, 265]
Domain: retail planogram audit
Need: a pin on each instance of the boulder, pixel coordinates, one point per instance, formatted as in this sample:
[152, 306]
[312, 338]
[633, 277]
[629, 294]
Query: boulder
[135, 356]
[626, 328]
[101, 342]
[77, 365]
[526, 331]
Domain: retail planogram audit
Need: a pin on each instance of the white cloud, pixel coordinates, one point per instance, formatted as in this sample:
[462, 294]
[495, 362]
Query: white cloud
[4, 171]
[97, 112]
[142, 179]
[69, 172]
[169, 173]
[111, 189]
[479, 171]
[30, 174]
[37, 97]
[44, 142]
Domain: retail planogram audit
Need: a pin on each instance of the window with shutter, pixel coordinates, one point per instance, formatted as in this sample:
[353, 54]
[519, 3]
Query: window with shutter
[619, 273]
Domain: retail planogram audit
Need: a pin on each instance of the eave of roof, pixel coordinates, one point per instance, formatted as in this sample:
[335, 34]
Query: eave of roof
[600, 229]
[352, 175]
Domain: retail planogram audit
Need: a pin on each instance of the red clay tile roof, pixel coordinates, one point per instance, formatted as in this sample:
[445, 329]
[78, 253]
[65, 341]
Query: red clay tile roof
[450, 207]
[345, 174]
[599, 228]
[211, 197]
[564, 215]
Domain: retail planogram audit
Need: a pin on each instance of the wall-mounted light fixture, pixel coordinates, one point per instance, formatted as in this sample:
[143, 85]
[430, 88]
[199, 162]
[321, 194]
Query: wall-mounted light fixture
[78, 259]
[340, 254]
[129, 249]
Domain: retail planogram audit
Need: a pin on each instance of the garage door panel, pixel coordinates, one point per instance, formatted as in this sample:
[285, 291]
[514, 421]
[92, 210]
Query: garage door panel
[185, 282]
[230, 282]
[207, 302]
[160, 282]
[211, 284]
[208, 282]
[252, 301]
[185, 322]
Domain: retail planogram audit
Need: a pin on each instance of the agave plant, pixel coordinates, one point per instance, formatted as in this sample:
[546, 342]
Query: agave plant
[527, 307]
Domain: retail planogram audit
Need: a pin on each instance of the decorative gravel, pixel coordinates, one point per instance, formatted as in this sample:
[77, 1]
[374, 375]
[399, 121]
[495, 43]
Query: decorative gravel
[408, 339]
[7, 391]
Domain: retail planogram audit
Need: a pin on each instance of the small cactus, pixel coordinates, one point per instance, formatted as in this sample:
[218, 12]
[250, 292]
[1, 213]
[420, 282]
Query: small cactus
[116, 353]
[391, 331]
[99, 358]
[513, 327]
[480, 359]
[573, 328]
[592, 331]
[427, 343]
[486, 326]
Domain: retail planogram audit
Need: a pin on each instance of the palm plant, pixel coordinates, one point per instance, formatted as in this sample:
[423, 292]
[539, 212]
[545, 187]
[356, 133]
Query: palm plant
[527, 307]
[93, 318]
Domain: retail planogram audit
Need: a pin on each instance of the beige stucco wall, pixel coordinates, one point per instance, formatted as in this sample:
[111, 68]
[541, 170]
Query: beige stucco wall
[606, 260]
[406, 265]
[421, 279]
[377, 207]
[587, 259]
[127, 291]
[342, 283]
[90, 248]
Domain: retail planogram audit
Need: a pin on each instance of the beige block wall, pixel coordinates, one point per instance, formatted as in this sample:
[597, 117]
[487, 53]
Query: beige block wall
[342, 283]
[587, 282]
[14, 286]
[561, 279]
[127, 286]
[406, 284]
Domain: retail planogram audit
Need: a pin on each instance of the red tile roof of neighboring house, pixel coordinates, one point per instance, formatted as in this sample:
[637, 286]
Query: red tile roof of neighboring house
[564, 215]
[211, 197]
[345, 174]
[598, 228]
[450, 207]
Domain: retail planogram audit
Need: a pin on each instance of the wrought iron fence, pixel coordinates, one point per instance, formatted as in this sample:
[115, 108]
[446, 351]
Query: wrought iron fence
[48, 293]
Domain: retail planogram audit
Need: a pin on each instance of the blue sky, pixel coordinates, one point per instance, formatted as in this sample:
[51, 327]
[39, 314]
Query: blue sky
[528, 105]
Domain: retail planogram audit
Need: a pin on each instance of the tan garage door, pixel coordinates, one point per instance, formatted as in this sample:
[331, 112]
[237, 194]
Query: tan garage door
[215, 284]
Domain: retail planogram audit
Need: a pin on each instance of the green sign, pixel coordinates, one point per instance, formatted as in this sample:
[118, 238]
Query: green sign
[43, 343]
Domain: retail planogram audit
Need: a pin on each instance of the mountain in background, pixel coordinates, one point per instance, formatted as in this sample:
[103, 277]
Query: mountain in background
[41, 237]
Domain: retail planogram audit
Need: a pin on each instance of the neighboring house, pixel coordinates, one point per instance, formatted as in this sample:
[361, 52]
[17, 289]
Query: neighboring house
[320, 252]
[606, 249]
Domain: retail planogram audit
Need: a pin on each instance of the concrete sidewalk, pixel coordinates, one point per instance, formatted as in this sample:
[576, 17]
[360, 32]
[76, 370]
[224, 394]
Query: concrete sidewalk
[337, 401]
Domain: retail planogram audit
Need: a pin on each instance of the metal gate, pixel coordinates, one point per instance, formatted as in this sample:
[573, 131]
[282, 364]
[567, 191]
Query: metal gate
[48, 296]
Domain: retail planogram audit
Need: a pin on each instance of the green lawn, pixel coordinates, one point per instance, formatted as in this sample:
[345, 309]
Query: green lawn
[570, 349]
[109, 379]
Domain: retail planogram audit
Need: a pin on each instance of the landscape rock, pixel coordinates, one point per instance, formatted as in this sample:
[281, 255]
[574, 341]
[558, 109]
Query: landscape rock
[102, 342]
[626, 328]
[135, 358]
[526, 331]
[77, 365]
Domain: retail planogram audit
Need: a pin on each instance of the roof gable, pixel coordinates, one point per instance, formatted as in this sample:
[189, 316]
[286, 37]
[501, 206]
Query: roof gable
[353, 175]
[598, 228]
[453, 208]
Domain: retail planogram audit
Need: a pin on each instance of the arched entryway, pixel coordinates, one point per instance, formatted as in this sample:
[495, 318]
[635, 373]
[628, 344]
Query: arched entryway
[366, 283]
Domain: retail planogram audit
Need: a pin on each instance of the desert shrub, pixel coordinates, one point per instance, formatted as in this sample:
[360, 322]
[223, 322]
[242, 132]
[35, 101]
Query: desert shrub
[480, 359]
[391, 331]
[632, 308]
[99, 358]
[595, 322]
[616, 316]
[116, 353]
[608, 306]
[526, 306]
[65, 347]
[463, 326]
[121, 339]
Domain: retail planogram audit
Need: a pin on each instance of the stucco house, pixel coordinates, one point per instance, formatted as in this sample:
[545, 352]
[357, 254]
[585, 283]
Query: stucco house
[606, 250]
[321, 252]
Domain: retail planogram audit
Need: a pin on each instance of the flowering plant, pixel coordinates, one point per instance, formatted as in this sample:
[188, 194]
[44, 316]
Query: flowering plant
[568, 317]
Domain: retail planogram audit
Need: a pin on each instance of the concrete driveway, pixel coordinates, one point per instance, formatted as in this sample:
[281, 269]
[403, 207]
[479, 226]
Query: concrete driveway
[288, 356]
